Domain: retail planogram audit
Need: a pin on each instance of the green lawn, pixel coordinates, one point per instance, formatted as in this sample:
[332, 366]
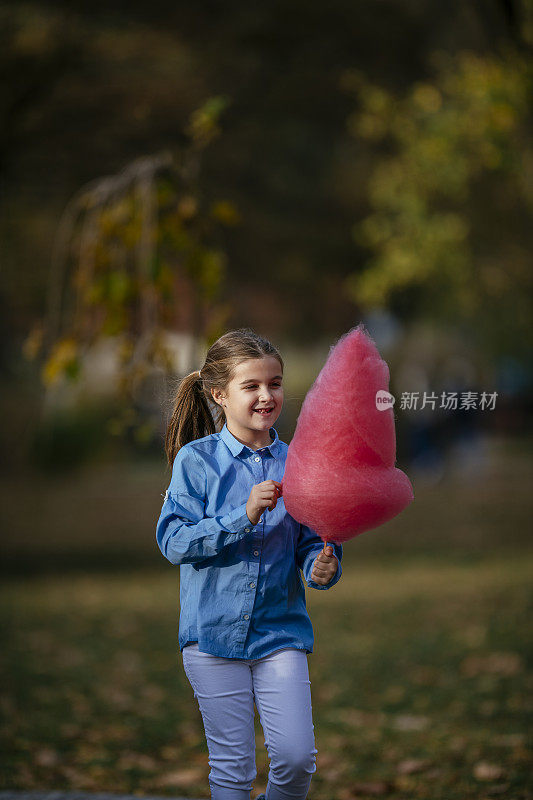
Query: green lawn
[418, 678]
[419, 675]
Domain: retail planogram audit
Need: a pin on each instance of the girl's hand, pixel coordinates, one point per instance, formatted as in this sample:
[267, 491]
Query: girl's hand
[263, 495]
[324, 566]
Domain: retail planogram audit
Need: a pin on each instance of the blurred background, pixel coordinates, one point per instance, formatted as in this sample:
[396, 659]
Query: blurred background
[173, 171]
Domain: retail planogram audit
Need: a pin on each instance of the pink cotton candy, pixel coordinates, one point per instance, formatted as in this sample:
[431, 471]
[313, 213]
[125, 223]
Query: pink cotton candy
[340, 477]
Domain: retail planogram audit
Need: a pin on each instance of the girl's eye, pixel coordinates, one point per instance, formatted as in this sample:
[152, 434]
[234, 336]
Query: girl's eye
[253, 385]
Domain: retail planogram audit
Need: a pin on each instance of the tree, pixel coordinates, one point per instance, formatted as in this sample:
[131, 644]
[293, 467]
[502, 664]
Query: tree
[135, 256]
[450, 201]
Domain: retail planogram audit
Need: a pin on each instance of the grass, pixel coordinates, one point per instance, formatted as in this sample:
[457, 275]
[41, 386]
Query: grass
[419, 678]
[420, 675]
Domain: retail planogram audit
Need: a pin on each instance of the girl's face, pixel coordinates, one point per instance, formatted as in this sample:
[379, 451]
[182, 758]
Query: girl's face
[257, 383]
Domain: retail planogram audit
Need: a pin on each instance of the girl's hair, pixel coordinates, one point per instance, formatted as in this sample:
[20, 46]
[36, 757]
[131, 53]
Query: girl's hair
[191, 415]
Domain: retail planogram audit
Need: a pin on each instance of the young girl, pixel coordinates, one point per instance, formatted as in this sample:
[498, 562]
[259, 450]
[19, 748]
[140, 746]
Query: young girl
[244, 631]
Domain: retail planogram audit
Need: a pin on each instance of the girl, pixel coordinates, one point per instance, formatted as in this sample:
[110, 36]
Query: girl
[244, 631]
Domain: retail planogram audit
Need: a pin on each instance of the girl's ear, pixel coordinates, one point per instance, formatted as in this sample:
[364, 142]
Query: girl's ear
[217, 395]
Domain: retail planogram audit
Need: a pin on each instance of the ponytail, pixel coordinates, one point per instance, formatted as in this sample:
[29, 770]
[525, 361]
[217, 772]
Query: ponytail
[191, 417]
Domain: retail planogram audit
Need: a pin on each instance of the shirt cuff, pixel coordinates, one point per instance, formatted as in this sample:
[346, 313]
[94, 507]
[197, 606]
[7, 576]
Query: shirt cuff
[236, 521]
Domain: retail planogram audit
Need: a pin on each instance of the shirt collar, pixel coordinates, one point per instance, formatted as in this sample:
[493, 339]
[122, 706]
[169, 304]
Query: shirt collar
[237, 447]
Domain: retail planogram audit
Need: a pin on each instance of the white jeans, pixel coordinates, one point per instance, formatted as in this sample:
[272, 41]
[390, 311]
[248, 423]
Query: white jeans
[226, 689]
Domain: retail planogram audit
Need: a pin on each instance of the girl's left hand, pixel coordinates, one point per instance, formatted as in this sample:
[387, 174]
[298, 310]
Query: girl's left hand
[324, 566]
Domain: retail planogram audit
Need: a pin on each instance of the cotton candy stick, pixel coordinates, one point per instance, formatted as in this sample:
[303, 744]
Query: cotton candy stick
[340, 476]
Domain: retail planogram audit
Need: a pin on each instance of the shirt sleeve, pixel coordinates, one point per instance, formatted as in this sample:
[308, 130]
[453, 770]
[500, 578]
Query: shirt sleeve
[309, 546]
[183, 532]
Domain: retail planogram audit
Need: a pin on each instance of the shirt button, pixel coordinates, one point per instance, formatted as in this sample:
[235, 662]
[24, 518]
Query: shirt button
[257, 458]
[246, 616]
[256, 552]
[252, 585]
[247, 530]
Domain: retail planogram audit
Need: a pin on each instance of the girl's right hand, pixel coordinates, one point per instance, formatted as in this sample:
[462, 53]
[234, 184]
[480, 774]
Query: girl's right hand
[263, 495]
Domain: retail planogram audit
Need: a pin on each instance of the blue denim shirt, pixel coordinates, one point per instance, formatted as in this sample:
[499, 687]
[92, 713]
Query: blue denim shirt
[241, 592]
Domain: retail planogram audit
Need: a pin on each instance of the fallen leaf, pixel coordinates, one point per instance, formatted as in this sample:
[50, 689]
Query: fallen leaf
[346, 794]
[170, 753]
[333, 773]
[327, 759]
[412, 765]
[181, 777]
[410, 722]
[47, 757]
[358, 718]
[136, 761]
[76, 778]
[484, 771]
